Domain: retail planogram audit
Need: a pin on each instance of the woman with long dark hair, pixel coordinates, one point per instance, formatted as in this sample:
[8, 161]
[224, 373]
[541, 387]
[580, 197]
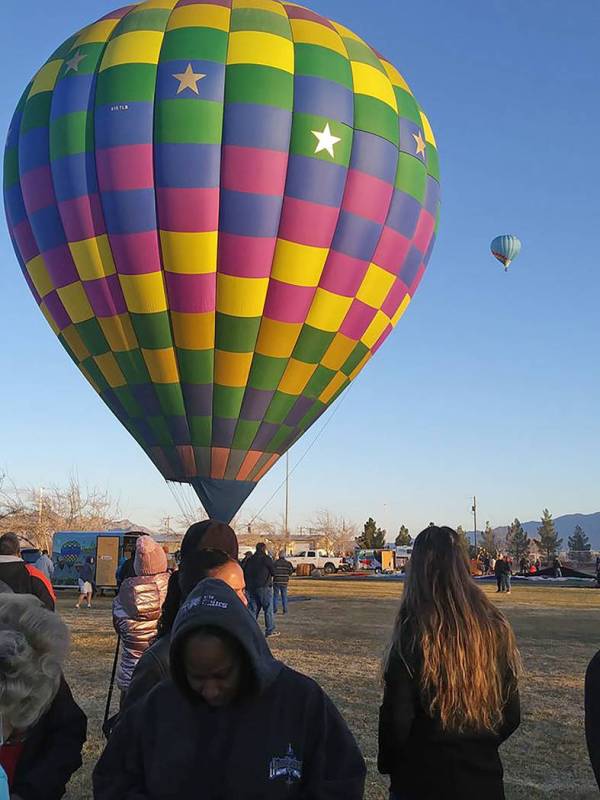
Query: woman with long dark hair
[450, 674]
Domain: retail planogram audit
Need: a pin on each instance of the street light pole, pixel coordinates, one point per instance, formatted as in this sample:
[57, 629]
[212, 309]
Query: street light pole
[474, 509]
[287, 492]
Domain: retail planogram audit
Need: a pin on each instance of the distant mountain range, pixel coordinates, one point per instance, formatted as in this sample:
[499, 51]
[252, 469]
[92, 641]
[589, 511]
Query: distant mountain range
[565, 526]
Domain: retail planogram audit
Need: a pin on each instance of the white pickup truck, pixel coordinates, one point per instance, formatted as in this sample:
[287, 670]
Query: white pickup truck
[318, 559]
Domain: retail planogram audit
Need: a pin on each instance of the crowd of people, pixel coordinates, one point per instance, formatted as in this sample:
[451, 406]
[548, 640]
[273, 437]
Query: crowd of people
[206, 710]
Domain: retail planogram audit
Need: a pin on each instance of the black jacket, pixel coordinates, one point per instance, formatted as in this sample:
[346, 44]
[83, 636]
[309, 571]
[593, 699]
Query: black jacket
[151, 669]
[428, 763]
[502, 567]
[284, 740]
[52, 750]
[259, 571]
[592, 713]
[16, 575]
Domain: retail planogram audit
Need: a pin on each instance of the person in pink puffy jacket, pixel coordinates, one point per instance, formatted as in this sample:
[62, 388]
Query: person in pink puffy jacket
[137, 607]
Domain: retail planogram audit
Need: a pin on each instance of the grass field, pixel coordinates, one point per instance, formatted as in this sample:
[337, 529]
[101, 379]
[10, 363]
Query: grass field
[337, 637]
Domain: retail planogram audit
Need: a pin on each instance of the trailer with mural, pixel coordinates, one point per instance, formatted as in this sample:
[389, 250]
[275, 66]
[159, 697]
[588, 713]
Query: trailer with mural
[71, 550]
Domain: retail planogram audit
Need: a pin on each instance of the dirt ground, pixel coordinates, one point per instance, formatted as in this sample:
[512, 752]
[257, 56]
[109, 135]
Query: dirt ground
[337, 637]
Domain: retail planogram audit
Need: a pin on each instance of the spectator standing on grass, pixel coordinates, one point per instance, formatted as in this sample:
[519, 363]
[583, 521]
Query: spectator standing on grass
[259, 572]
[451, 681]
[86, 583]
[283, 570]
[21, 577]
[232, 723]
[137, 607]
[45, 565]
[502, 571]
[557, 567]
[126, 568]
[153, 667]
[43, 729]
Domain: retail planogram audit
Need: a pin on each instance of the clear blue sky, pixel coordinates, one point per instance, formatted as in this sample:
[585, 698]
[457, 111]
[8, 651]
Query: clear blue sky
[490, 385]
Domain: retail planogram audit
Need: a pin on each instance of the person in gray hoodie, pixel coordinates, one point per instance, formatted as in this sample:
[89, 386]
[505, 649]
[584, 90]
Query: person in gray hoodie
[233, 723]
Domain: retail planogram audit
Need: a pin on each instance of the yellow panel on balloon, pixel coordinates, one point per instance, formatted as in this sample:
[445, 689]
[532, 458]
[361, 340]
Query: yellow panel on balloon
[429, 137]
[298, 264]
[144, 294]
[401, 309]
[375, 329]
[74, 299]
[307, 32]
[338, 380]
[257, 47]
[39, 275]
[338, 351]
[134, 47]
[232, 369]
[45, 80]
[119, 333]
[189, 253]
[97, 33]
[297, 374]
[193, 331]
[241, 297]
[162, 365]
[375, 286]
[277, 339]
[108, 366]
[373, 83]
[262, 5]
[328, 310]
[93, 257]
[75, 342]
[200, 16]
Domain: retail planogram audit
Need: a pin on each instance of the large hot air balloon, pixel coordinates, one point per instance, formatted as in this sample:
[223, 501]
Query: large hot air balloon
[506, 248]
[222, 209]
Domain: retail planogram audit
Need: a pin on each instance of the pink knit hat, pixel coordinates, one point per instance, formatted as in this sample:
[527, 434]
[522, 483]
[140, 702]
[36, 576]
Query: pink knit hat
[150, 558]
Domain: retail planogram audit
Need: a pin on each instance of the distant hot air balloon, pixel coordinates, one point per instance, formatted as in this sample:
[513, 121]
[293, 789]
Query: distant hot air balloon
[506, 248]
[223, 209]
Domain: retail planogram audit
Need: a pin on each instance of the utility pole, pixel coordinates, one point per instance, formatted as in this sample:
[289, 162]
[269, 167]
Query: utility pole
[287, 493]
[474, 510]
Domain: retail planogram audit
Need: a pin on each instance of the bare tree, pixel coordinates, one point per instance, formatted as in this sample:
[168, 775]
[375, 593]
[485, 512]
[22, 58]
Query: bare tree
[335, 533]
[35, 514]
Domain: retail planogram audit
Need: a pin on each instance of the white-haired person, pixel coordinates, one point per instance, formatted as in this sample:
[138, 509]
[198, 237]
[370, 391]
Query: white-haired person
[42, 728]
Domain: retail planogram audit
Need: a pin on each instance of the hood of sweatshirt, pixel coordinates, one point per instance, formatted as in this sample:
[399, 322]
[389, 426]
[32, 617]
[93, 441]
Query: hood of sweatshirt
[213, 604]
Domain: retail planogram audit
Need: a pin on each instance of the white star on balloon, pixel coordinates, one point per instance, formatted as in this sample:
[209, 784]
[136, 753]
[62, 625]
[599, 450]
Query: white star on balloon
[74, 62]
[326, 140]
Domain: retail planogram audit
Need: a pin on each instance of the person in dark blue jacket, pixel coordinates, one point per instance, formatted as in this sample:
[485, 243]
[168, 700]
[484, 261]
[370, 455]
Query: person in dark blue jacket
[233, 723]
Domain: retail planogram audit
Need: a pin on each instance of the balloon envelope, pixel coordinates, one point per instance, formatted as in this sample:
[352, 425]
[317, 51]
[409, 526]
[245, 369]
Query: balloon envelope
[222, 209]
[506, 248]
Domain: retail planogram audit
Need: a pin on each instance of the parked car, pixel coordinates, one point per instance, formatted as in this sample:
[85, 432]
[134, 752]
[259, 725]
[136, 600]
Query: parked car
[318, 559]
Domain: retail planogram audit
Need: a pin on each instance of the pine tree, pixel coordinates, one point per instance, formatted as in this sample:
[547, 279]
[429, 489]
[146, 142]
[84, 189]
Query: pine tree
[372, 537]
[488, 540]
[519, 542]
[579, 546]
[548, 542]
[464, 539]
[404, 539]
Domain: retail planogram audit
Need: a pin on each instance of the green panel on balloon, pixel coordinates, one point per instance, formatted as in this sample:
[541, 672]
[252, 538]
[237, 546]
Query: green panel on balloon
[153, 331]
[201, 430]
[321, 378]
[189, 121]
[92, 368]
[322, 63]
[279, 407]
[93, 337]
[266, 372]
[127, 83]
[170, 398]
[373, 116]
[354, 359]
[160, 430]
[312, 344]
[256, 84]
[244, 435]
[433, 164]
[359, 51]
[71, 134]
[411, 176]
[11, 167]
[194, 44]
[252, 19]
[133, 366]
[236, 334]
[153, 19]
[280, 437]
[407, 107]
[303, 138]
[196, 366]
[37, 112]
[128, 401]
[227, 401]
